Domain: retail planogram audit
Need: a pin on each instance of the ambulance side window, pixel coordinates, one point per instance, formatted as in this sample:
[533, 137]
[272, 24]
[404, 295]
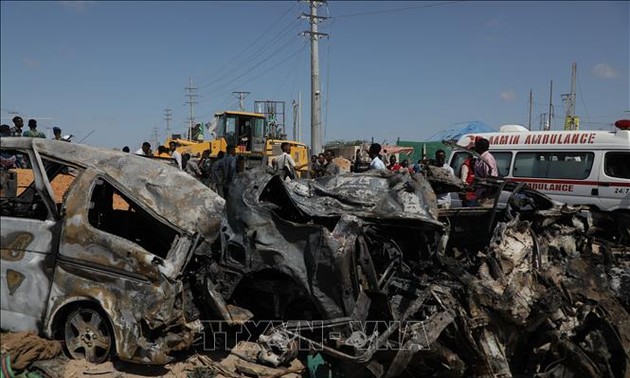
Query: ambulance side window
[617, 164]
[503, 159]
[553, 165]
[458, 160]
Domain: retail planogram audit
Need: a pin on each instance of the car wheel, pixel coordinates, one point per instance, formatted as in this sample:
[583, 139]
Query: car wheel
[88, 335]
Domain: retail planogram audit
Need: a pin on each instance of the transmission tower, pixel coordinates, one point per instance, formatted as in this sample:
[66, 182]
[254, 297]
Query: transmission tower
[192, 94]
[571, 121]
[168, 116]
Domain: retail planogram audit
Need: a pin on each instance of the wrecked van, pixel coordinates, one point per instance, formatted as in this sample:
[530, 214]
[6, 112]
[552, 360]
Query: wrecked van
[94, 244]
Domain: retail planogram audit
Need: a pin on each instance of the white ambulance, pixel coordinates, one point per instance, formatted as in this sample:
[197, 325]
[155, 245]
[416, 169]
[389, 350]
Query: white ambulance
[574, 167]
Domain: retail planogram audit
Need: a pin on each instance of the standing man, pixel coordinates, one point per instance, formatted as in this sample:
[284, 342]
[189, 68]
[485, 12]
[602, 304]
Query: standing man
[174, 154]
[485, 166]
[393, 164]
[218, 174]
[145, 150]
[444, 199]
[331, 167]
[16, 131]
[284, 162]
[205, 166]
[18, 124]
[467, 175]
[229, 168]
[374, 151]
[318, 167]
[57, 133]
[32, 131]
[7, 159]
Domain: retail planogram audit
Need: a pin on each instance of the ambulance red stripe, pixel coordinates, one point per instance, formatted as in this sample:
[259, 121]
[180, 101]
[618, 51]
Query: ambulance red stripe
[572, 182]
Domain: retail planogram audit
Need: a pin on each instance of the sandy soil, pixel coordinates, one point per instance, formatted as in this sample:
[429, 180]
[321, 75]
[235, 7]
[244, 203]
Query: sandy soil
[59, 185]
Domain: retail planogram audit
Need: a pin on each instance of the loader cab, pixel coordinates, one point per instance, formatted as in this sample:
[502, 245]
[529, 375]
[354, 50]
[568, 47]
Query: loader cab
[244, 130]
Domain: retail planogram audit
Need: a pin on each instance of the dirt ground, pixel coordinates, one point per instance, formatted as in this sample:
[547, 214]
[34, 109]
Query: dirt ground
[218, 364]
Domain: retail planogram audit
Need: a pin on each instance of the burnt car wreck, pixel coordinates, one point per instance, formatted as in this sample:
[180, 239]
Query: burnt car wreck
[360, 267]
[460, 292]
[94, 247]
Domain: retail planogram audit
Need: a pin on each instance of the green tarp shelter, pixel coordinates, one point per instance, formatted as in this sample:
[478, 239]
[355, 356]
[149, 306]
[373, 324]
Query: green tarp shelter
[420, 147]
[435, 142]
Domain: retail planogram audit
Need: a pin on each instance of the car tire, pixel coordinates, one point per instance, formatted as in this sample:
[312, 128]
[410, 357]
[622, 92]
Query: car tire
[88, 335]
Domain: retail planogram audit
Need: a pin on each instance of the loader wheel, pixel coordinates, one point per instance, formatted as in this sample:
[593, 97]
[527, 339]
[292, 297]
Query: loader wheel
[88, 335]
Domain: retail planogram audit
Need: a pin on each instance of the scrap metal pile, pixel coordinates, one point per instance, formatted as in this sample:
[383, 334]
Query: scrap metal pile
[364, 269]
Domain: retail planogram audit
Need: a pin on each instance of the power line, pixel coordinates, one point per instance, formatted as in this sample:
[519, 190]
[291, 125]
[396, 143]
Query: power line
[292, 71]
[259, 65]
[254, 61]
[246, 48]
[254, 71]
[392, 10]
[256, 53]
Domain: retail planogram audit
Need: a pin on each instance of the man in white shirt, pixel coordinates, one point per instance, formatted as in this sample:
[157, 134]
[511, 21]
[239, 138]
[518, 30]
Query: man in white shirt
[444, 199]
[374, 151]
[285, 160]
[145, 150]
[174, 154]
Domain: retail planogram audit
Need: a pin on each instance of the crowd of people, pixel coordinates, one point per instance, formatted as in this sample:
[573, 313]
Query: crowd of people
[218, 173]
[16, 160]
[324, 164]
[475, 167]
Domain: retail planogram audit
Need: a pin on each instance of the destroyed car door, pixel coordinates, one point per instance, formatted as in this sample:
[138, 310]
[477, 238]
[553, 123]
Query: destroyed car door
[109, 229]
[29, 238]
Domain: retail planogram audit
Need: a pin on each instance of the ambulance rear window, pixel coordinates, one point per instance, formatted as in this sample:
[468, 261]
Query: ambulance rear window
[553, 165]
[617, 164]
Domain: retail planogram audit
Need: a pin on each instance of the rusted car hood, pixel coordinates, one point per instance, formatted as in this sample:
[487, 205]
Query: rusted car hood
[173, 194]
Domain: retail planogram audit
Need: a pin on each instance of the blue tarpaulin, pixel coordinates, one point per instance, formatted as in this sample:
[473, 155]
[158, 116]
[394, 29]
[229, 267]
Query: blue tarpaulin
[461, 129]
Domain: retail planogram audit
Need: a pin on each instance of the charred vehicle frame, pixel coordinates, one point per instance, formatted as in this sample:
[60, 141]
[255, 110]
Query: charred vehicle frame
[100, 265]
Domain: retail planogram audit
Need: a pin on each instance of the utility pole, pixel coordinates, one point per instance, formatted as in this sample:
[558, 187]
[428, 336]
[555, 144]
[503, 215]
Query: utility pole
[168, 116]
[297, 117]
[316, 101]
[569, 103]
[542, 124]
[299, 124]
[549, 122]
[191, 95]
[531, 103]
[241, 97]
[295, 106]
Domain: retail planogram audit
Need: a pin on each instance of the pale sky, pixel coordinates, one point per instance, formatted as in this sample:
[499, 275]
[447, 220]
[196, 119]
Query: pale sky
[105, 71]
